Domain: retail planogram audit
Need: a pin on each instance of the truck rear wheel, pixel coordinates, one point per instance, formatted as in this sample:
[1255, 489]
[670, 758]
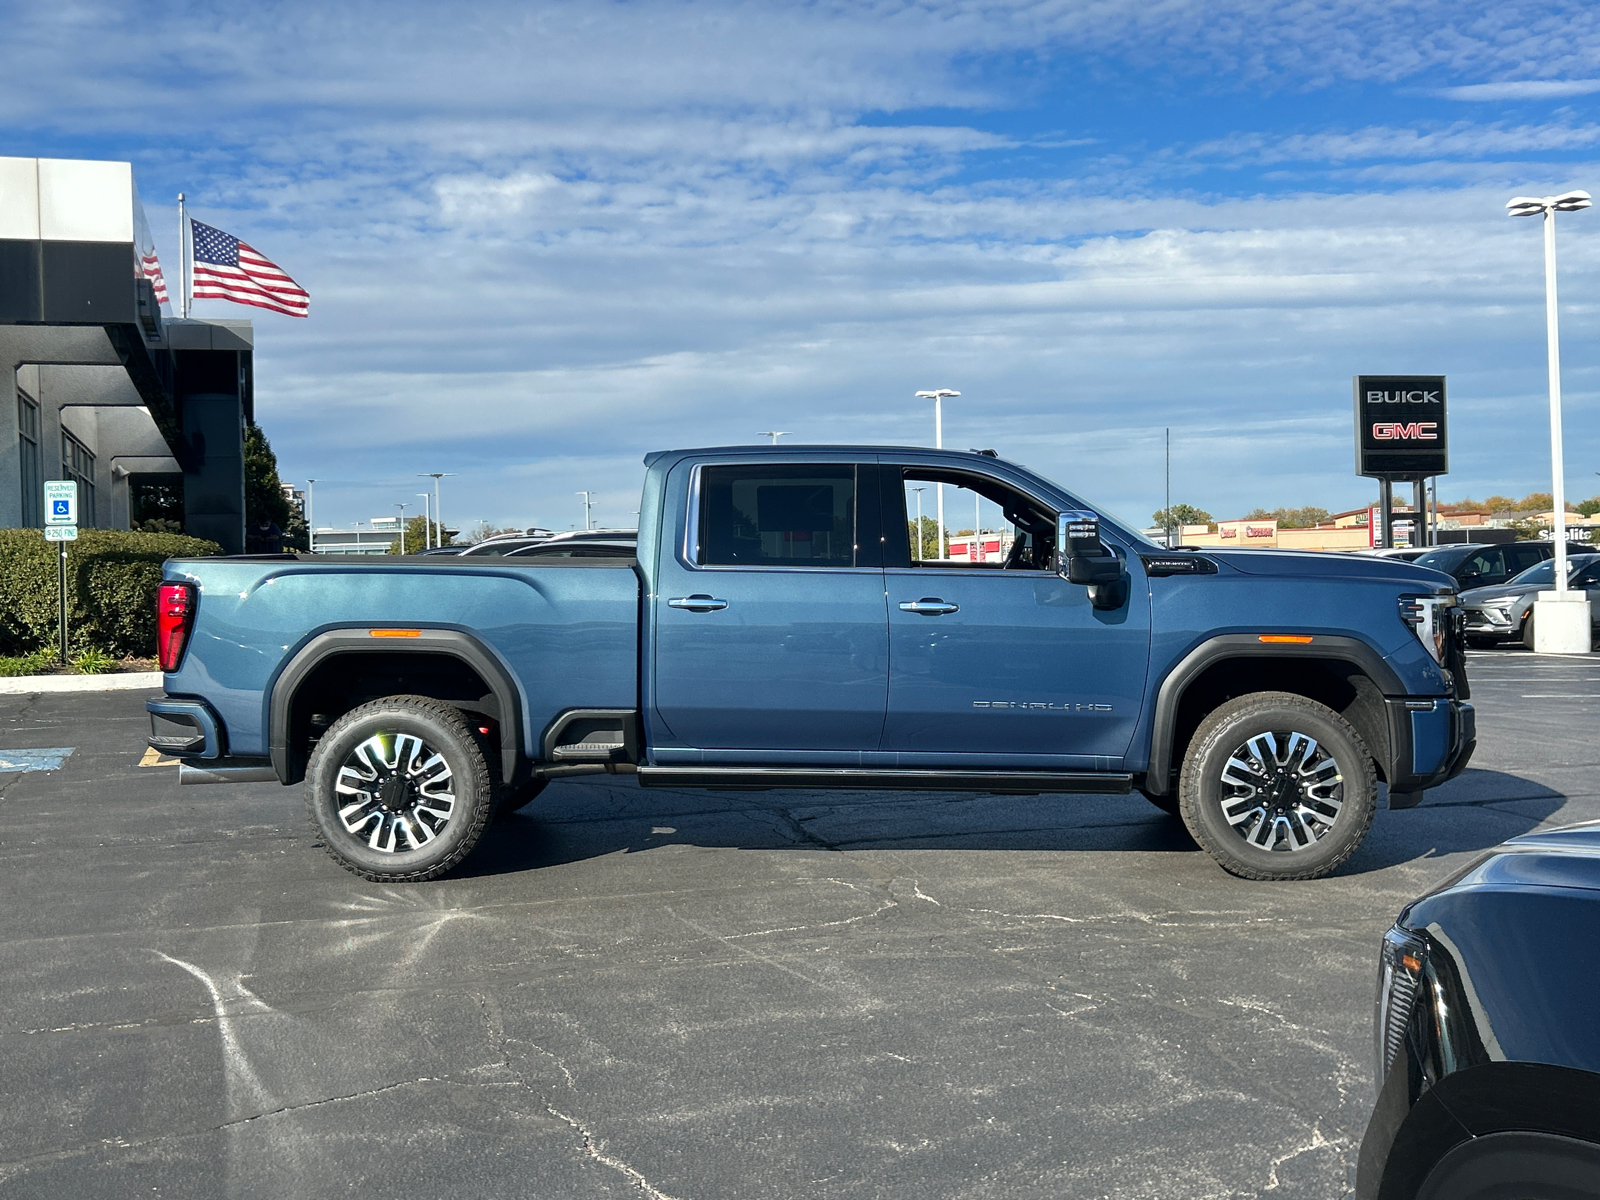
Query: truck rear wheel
[399, 790]
[1276, 786]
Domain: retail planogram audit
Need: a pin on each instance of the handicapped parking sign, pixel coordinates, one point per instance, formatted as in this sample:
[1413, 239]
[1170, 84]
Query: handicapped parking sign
[61, 502]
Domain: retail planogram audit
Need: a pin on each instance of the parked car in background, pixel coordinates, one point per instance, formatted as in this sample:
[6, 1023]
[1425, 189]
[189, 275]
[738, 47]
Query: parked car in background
[1474, 565]
[1488, 1053]
[505, 543]
[1403, 553]
[1502, 612]
[584, 543]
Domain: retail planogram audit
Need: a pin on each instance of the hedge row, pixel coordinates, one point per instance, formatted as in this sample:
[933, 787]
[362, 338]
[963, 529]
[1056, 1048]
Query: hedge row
[112, 576]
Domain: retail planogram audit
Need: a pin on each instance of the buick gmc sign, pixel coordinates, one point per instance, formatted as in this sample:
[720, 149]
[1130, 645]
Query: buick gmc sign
[1400, 426]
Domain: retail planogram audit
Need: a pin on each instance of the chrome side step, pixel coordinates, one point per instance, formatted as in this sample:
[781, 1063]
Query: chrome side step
[1025, 783]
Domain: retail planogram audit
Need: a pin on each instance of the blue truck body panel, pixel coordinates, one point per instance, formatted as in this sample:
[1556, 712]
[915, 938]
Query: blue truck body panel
[799, 665]
[567, 635]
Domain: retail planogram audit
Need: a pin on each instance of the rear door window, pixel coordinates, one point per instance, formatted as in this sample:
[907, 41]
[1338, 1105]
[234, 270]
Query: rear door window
[1520, 558]
[778, 515]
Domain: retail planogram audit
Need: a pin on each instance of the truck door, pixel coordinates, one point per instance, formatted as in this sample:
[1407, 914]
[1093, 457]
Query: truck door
[994, 658]
[770, 624]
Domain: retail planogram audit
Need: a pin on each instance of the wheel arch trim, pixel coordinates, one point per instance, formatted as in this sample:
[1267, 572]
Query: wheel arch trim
[452, 643]
[1221, 648]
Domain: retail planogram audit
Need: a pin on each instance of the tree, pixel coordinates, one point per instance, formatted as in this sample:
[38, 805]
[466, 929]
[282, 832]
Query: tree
[1181, 515]
[930, 538]
[1536, 502]
[263, 492]
[1588, 507]
[1290, 518]
[417, 536]
[1499, 504]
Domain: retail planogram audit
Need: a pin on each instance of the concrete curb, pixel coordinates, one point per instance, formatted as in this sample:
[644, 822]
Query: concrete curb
[128, 681]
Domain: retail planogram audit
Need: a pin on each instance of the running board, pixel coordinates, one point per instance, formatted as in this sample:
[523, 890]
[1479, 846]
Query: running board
[1025, 783]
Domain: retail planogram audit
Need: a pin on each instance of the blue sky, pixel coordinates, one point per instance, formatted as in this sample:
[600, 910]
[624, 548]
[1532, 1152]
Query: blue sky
[542, 240]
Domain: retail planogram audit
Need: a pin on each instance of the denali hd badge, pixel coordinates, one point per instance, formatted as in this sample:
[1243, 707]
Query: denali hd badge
[1067, 706]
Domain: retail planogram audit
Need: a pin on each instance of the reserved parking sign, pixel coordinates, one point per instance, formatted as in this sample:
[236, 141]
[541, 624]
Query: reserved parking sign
[61, 502]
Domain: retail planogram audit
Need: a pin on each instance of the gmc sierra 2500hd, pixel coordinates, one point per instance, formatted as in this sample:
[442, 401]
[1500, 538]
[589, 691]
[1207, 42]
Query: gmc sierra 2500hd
[776, 628]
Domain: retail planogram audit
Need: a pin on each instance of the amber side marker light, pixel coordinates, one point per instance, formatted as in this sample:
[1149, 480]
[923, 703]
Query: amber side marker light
[1411, 962]
[409, 633]
[1294, 639]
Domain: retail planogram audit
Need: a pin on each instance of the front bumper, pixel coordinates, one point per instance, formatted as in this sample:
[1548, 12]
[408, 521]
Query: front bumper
[1430, 742]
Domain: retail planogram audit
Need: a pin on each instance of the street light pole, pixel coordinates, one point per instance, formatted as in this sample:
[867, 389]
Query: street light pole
[587, 506]
[919, 490]
[402, 509]
[311, 520]
[427, 521]
[775, 434]
[438, 512]
[1555, 630]
[937, 396]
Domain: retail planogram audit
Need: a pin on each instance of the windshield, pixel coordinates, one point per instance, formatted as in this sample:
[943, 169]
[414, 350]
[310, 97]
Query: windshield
[1439, 560]
[1545, 572]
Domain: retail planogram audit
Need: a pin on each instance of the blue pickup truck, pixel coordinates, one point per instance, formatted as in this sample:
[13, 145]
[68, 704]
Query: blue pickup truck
[784, 624]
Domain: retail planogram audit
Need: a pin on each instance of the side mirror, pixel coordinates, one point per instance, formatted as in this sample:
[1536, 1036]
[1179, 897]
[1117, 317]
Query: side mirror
[1081, 557]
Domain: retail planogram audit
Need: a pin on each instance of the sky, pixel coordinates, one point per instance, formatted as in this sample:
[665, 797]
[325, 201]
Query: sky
[542, 240]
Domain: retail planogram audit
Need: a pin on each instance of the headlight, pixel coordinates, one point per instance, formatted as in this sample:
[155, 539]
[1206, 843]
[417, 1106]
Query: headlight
[1400, 965]
[1497, 614]
[1429, 618]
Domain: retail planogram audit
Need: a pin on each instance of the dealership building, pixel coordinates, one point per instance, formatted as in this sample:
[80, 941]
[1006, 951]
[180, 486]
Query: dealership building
[98, 384]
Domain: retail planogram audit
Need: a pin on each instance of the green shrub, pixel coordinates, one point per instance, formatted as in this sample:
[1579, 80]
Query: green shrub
[112, 576]
[93, 662]
[27, 664]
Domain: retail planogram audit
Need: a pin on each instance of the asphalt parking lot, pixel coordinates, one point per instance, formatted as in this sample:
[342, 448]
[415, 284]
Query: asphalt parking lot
[705, 995]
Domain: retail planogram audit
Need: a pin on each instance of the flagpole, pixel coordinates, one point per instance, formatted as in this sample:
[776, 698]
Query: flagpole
[183, 271]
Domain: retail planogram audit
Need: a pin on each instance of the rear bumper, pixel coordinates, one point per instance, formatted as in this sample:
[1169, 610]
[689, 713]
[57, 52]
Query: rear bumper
[1430, 741]
[185, 728]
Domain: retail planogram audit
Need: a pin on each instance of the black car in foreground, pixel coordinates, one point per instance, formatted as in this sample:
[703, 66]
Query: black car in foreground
[1487, 1032]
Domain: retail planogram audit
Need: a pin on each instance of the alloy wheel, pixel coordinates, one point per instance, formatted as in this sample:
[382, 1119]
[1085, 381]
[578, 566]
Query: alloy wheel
[395, 792]
[1281, 791]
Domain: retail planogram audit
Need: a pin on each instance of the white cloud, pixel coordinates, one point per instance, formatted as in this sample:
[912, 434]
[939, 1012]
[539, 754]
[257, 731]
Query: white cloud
[1522, 89]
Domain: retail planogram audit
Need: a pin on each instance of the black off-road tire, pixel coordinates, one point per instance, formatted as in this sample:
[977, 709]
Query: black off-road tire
[443, 730]
[1201, 790]
[1481, 643]
[515, 797]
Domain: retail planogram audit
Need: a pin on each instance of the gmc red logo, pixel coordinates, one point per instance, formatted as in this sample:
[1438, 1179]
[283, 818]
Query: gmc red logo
[1395, 431]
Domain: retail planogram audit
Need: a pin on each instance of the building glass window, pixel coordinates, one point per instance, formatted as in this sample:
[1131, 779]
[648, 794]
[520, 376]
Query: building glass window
[28, 454]
[77, 463]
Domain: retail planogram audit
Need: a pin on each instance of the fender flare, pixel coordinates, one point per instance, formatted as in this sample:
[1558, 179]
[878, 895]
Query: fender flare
[449, 642]
[1208, 653]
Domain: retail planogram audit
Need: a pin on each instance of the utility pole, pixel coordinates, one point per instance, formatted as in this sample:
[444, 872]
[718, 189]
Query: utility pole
[1167, 515]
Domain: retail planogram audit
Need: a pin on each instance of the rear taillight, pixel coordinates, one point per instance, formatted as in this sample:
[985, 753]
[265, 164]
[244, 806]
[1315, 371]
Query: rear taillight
[174, 619]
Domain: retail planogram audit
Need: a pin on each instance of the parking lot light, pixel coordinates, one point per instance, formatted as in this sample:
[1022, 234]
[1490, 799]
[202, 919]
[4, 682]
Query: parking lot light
[1557, 629]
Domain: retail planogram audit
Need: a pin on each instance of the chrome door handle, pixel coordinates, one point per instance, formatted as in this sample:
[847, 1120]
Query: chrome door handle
[929, 606]
[698, 603]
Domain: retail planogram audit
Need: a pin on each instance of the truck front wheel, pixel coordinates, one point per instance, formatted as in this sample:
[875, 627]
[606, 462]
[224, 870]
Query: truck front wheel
[399, 790]
[1276, 786]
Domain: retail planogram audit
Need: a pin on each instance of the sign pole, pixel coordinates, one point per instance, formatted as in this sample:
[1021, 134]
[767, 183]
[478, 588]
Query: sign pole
[63, 558]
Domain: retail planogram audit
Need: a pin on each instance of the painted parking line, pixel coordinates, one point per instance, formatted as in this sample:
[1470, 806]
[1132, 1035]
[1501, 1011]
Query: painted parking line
[154, 758]
[47, 758]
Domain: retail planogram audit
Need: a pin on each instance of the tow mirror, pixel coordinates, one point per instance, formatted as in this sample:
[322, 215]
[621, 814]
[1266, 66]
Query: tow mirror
[1083, 558]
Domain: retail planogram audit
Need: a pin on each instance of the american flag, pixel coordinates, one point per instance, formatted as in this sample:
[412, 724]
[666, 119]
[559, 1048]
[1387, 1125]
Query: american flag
[151, 266]
[227, 269]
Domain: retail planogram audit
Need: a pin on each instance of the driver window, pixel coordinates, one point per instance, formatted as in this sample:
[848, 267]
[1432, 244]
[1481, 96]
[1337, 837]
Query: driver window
[987, 525]
[1489, 564]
